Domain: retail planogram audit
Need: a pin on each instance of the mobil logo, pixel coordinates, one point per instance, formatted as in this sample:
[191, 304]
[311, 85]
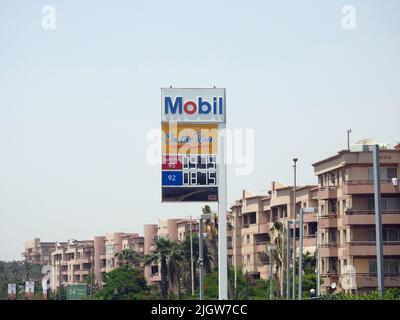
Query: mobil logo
[201, 106]
[206, 105]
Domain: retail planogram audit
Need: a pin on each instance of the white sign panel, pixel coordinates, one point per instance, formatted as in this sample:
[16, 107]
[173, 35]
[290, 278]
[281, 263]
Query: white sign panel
[193, 105]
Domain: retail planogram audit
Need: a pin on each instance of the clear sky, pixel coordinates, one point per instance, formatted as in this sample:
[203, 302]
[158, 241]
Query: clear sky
[76, 102]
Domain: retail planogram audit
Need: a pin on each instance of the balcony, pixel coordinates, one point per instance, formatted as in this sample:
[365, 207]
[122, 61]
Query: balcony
[367, 248]
[309, 241]
[328, 192]
[369, 280]
[367, 217]
[328, 250]
[367, 187]
[328, 221]
[309, 217]
[329, 278]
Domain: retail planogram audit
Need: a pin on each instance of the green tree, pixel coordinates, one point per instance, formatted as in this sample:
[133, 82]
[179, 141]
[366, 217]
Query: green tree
[123, 283]
[159, 255]
[128, 257]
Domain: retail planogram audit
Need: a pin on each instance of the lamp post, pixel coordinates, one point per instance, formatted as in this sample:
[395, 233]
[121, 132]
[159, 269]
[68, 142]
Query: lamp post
[288, 259]
[201, 256]
[302, 211]
[318, 258]
[294, 228]
[378, 220]
[191, 256]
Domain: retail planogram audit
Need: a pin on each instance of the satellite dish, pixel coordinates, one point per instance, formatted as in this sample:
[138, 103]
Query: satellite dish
[333, 285]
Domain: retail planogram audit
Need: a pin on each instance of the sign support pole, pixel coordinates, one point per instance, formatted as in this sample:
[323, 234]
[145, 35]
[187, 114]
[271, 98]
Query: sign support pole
[222, 223]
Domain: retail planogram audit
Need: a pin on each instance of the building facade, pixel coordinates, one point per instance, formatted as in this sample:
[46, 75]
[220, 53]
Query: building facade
[347, 219]
[71, 262]
[173, 229]
[38, 252]
[252, 218]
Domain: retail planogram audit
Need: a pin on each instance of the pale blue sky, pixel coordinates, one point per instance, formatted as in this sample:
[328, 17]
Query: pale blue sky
[76, 102]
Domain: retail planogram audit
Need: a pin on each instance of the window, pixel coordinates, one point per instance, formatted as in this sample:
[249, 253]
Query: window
[109, 248]
[252, 218]
[386, 203]
[154, 270]
[391, 266]
[372, 266]
[248, 239]
[386, 173]
[391, 173]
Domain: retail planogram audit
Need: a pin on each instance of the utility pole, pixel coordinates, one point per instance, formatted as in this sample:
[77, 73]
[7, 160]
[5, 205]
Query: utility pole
[191, 255]
[294, 230]
[378, 220]
[288, 260]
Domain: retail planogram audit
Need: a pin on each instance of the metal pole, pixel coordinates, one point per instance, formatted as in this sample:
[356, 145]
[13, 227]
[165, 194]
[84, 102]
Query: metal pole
[318, 258]
[191, 255]
[288, 260]
[201, 257]
[270, 274]
[234, 254]
[59, 280]
[294, 233]
[301, 255]
[92, 275]
[348, 139]
[222, 208]
[378, 220]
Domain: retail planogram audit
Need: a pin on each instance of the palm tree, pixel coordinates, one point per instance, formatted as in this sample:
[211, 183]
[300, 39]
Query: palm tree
[128, 257]
[175, 264]
[211, 227]
[275, 238]
[159, 255]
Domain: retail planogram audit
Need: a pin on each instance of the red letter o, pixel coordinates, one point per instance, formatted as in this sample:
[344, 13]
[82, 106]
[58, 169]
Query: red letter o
[193, 107]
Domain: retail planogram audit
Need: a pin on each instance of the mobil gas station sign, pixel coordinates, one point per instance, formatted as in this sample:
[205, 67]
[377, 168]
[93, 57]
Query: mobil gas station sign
[189, 128]
[193, 105]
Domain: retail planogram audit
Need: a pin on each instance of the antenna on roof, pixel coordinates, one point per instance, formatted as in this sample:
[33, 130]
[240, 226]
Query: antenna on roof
[348, 139]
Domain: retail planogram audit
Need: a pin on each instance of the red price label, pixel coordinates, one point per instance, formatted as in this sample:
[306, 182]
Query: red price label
[172, 163]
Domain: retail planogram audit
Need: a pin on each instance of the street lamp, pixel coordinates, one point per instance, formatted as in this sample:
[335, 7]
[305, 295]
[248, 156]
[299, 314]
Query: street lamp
[294, 227]
[191, 255]
[302, 211]
[201, 256]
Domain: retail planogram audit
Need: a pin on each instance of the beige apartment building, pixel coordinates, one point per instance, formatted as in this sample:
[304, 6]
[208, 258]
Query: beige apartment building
[173, 229]
[252, 218]
[346, 221]
[107, 247]
[71, 262]
[38, 252]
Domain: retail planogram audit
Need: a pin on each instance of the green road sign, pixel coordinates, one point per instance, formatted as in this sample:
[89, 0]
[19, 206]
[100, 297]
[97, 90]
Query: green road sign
[77, 291]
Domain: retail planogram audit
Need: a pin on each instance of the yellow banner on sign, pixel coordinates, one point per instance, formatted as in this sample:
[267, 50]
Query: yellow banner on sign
[189, 138]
